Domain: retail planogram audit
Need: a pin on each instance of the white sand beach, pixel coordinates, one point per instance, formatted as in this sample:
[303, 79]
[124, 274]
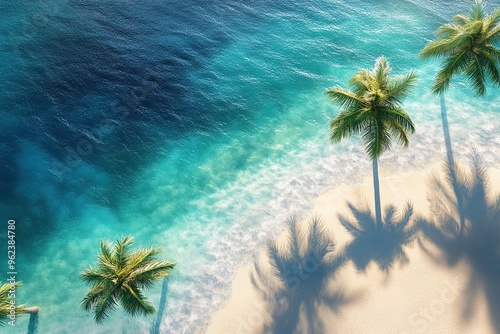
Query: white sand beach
[426, 293]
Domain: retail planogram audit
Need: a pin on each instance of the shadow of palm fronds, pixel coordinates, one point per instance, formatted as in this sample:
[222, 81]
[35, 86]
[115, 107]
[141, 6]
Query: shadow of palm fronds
[385, 245]
[296, 279]
[465, 226]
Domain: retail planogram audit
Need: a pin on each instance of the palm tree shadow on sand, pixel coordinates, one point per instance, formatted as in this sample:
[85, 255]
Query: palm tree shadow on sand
[296, 280]
[466, 227]
[384, 245]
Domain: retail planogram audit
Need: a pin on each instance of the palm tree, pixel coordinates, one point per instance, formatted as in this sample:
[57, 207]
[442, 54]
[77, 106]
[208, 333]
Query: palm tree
[467, 45]
[5, 305]
[373, 109]
[120, 276]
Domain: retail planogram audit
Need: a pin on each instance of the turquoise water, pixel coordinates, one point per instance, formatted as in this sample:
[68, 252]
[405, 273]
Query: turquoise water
[199, 127]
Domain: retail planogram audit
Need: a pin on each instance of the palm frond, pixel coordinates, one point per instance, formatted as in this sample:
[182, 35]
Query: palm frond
[435, 49]
[476, 75]
[401, 86]
[492, 21]
[142, 256]
[5, 306]
[107, 257]
[346, 124]
[93, 296]
[455, 63]
[398, 115]
[448, 30]
[381, 72]
[147, 274]
[397, 131]
[473, 29]
[446, 46]
[94, 276]
[491, 65]
[343, 97]
[134, 302]
[122, 250]
[458, 41]
[477, 12]
[105, 304]
[493, 35]
[402, 118]
[376, 138]
[5, 288]
[461, 19]
[361, 82]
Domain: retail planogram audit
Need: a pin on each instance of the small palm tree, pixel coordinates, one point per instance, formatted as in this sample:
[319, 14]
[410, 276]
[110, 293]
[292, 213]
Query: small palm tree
[120, 276]
[5, 305]
[373, 109]
[467, 45]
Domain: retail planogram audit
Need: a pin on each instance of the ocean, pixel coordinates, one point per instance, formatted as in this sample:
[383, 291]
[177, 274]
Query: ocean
[198, 126]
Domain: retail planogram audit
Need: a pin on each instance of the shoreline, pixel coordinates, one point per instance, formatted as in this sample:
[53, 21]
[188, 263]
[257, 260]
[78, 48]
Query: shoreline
[419, 295]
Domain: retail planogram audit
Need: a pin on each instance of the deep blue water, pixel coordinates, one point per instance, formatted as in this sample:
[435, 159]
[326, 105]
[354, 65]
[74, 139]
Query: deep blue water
[197, 126]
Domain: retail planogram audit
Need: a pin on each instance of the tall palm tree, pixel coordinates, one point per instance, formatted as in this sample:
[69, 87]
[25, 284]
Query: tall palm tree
[120, 276]
[373, 110]
[5, 305]
[468, 46]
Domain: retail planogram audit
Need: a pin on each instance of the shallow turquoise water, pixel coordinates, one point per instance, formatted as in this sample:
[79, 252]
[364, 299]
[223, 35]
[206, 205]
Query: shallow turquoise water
[198, 127]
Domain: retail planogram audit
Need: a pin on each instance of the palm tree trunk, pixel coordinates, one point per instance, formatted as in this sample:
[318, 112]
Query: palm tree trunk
[31, 310]
[446, 131]
[376, 188]
[451, 161]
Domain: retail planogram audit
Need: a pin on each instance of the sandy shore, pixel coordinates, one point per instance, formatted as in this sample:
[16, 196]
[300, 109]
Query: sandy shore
[426, 289]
